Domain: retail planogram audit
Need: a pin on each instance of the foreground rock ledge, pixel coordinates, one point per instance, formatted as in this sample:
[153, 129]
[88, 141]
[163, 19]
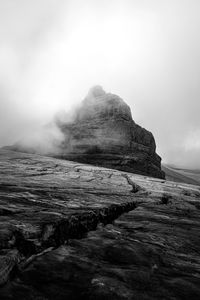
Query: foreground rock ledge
[55, 242]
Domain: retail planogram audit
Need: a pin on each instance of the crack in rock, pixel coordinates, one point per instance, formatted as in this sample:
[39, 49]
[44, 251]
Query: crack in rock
[58, 233]
[135, 187]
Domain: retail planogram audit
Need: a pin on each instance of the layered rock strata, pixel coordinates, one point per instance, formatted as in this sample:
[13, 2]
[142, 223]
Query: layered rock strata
[103, 133]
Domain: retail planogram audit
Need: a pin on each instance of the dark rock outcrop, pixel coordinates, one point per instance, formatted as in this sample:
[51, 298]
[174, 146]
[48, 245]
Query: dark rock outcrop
[103, 133]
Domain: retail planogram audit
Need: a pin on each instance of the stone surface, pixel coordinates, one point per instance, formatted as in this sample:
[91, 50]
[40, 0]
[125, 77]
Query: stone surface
[74, 231]
[103, 133]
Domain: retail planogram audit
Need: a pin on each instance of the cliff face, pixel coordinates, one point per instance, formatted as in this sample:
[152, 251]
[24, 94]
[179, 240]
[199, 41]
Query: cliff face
[103, 133]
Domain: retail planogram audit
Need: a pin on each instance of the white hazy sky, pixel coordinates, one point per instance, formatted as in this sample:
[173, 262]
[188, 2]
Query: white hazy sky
[146, 51]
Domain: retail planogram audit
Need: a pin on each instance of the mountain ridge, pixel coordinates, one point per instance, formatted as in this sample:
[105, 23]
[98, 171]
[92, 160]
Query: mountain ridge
[179, 174]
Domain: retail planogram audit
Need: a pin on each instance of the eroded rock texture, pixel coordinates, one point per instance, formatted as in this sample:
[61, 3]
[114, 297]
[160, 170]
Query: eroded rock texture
[103, 133]
[74, 231]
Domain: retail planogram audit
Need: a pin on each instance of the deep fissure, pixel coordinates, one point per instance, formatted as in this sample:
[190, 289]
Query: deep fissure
[58, 233]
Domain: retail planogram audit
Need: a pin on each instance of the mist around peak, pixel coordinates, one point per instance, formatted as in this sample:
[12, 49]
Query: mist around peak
[147, 52]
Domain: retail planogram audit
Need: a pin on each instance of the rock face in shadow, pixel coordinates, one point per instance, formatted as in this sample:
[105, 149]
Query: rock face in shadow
[103, 133]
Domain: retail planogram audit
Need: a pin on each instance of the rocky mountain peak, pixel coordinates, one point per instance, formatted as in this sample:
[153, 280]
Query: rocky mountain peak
[96, 91]
[103, 133]
[99, 104]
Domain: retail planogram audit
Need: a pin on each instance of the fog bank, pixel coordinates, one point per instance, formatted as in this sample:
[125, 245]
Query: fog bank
[147, 52]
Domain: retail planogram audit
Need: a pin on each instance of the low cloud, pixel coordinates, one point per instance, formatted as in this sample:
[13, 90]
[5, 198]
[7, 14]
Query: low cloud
[43, 140]
[53, 51]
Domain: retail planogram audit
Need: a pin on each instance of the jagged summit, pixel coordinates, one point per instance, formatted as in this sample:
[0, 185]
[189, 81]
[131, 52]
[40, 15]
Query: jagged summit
[99, 104]
[96, 91]
[103, 133]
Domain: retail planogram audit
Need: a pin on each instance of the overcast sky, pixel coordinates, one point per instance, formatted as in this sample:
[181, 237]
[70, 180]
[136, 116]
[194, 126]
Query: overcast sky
[146, 51]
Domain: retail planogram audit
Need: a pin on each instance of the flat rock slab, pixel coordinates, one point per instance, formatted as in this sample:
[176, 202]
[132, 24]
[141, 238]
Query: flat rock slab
[74, 231]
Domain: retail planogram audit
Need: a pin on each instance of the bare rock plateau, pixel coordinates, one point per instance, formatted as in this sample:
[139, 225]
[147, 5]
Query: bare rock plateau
[75, 231]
